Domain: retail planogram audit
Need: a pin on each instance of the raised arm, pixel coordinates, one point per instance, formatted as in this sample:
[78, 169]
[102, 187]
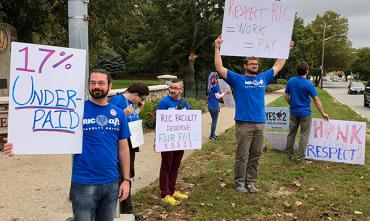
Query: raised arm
[319, 107]
[279, 63]
[218, 60]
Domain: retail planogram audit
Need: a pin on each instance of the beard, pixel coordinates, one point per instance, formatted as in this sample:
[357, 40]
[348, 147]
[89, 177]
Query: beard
[98, 93]
[251, 71]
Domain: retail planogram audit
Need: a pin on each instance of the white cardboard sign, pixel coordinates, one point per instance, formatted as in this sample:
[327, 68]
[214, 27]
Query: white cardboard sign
[228, 98]
[260, 28]
[178, 130]
[337, 141]
[46, 99]
[137, 134]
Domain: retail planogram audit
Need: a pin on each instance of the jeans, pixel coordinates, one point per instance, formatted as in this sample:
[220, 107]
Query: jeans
[250, 138]
[214, 115]
[94, 202]
[170, 164]
[294, 123]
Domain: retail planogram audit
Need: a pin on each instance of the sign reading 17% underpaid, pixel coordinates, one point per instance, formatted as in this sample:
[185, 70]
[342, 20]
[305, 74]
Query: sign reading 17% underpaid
[46, 99]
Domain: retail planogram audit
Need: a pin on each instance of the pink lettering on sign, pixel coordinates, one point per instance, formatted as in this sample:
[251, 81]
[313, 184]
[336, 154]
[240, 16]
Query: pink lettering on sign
[342, 136]
[318, 129]
[337, 133]
[280, 12]
[245, 11]
[354, 135]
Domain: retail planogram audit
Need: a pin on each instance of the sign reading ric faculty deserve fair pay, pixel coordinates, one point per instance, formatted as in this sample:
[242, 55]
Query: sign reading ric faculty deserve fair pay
[178, 130]
[46, 99]
[257, 28]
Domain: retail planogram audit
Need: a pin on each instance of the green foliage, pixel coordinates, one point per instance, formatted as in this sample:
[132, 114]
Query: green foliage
[274, 87]
[281, 81]
[149, 111]
[147, 114]
[361, 65]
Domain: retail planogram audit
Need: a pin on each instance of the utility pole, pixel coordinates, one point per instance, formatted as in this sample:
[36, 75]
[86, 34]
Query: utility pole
[78, 30]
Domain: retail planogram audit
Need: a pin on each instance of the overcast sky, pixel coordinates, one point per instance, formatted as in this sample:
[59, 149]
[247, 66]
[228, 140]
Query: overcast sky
[356, 11]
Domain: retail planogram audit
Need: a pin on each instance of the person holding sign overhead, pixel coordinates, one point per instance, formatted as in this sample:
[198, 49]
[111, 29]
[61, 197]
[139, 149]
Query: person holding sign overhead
[249, 92]
[297, 94]
[95, 184]
[131, 102]
[171, 160]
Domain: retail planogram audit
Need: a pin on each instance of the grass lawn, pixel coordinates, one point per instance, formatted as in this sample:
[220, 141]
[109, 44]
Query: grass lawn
[126, 83]
[289, 190]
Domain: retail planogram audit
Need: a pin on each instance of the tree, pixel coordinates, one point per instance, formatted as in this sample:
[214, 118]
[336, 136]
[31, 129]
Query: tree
[361, 65]
[336, 48]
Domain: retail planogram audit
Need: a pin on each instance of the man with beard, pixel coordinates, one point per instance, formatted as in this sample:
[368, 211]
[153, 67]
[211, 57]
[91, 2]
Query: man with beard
[171, 160]
[249, 93]
[95, 175]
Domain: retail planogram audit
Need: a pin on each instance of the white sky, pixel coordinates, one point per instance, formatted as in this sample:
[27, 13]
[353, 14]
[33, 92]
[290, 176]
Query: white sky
[356, 11]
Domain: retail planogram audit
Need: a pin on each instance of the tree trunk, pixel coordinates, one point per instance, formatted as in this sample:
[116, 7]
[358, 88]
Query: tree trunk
[191, 62]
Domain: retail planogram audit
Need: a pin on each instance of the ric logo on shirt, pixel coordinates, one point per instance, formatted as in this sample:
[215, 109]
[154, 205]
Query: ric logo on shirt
[101, 120]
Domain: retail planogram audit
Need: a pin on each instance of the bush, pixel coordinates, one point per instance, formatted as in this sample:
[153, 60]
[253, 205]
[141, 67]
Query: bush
[274, 87]
[281, 81]
[148, 113]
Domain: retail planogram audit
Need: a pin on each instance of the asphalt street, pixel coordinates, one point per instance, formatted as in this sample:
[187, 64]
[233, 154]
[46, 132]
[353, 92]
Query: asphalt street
[354, 101]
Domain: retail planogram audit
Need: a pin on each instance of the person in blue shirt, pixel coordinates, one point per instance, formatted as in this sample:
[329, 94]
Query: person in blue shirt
[131, 102]
[95, 184]
[297, 94]
[171, 160]
[249, 94]
[214, 95]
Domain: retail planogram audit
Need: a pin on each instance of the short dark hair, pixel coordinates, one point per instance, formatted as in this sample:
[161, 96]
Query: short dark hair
[247, 59]
[102, 71]
[140, 88]
[174, 81]
[302, 68]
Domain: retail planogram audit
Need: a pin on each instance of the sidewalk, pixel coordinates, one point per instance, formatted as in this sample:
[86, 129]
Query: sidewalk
[32, 187]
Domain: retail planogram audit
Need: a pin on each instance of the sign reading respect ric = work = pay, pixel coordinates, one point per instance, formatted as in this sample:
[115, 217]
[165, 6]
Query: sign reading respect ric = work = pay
[178, 130]
[257, 28]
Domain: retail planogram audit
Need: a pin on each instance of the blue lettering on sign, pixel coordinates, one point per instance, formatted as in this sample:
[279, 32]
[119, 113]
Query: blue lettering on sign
[54, 110]
[335, 153]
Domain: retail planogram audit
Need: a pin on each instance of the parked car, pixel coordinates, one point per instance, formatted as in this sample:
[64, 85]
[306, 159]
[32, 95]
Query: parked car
[367, 95]
[356, 88]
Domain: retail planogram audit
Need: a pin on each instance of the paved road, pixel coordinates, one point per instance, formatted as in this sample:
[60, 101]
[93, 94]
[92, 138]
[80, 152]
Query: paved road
[354, 101]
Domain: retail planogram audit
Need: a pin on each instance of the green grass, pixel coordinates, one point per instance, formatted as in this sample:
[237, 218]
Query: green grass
[334, 190]
[126, 83]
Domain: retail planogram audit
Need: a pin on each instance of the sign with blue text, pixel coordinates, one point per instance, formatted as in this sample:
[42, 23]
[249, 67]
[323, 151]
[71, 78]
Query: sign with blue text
[277, 118]
[46, 99]
[257, 28]
[337, 141]
[178, 130]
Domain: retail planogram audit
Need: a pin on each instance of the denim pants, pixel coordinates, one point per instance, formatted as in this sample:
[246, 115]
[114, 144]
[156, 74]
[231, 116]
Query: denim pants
[250, 138]
[170, 164]
[214, 115]
[94, 202]
[294, 123]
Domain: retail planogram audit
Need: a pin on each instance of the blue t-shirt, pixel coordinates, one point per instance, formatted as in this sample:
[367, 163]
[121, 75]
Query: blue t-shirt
[212, 100]
[249, 95]
[122, 102]
[103, 127]
[168, 103]
[300, 90]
